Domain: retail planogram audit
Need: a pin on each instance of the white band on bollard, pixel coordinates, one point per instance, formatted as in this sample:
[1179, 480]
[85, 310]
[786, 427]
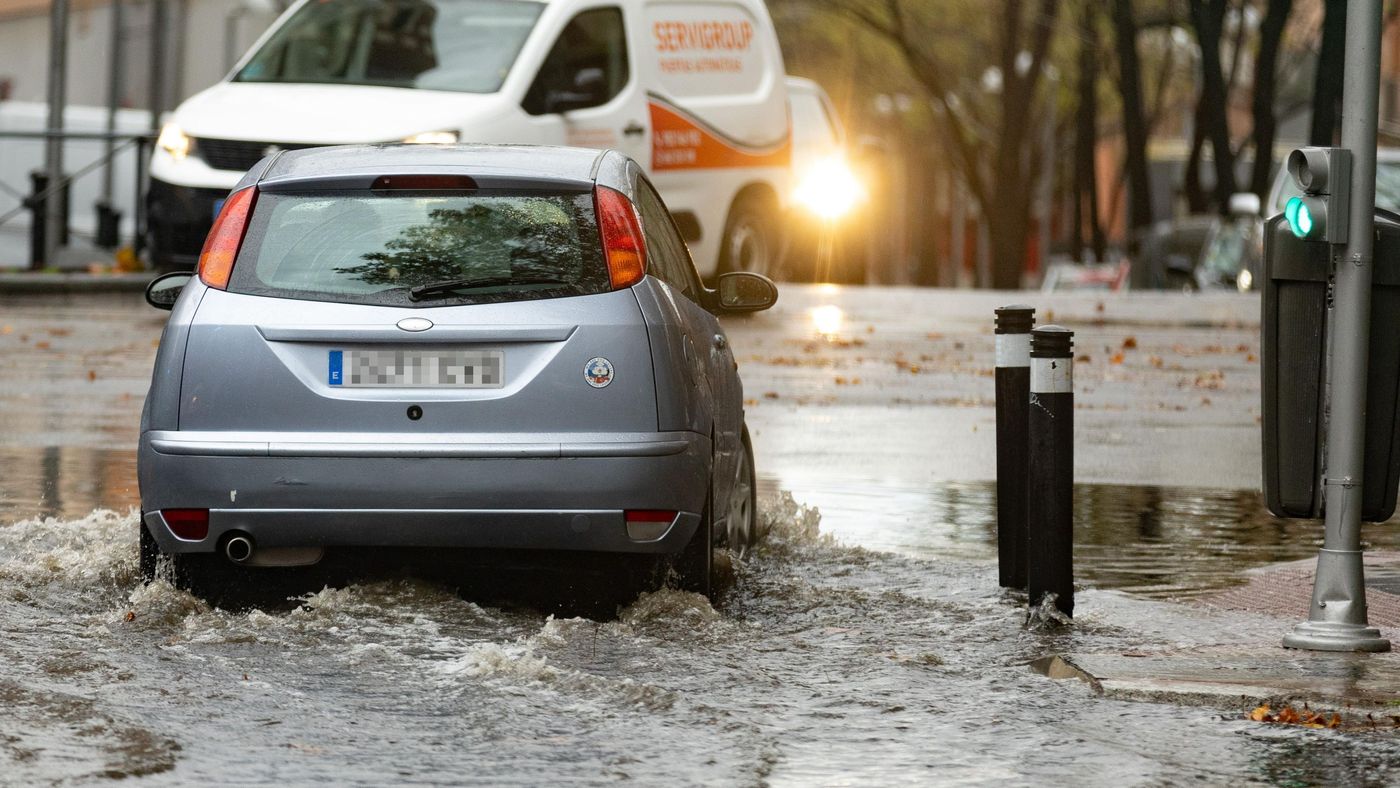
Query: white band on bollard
[1013, 350]
[1052, 376]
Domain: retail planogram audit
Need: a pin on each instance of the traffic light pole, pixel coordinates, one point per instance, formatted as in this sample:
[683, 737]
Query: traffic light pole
[1337, 618]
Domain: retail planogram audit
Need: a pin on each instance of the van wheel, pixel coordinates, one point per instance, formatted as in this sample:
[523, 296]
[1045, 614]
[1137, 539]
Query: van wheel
[693, 566]
[741, 520]
[750, 241]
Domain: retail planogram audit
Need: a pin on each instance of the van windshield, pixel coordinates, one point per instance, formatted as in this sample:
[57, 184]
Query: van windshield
[461, 45]
[421, 248]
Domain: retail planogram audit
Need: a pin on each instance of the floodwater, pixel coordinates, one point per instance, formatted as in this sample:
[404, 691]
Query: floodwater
[823, 663]
[864, 643]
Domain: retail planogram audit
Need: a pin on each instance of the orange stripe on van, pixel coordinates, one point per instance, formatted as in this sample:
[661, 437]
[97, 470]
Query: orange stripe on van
[679, 143]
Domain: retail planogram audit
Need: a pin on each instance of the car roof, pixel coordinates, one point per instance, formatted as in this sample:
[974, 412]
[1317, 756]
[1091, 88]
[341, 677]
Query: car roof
[500, 163]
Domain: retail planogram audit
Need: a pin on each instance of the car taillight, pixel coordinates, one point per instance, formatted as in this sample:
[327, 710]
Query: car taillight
[623, 244]
[221, 247]
[188, 524]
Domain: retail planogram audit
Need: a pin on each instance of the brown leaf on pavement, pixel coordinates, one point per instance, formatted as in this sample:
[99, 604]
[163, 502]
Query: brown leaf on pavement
[1117, 359]
[1130, 343]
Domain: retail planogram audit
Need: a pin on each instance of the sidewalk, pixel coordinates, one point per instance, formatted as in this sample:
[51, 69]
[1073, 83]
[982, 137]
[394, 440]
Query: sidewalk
[80, 268]
[1249, 670]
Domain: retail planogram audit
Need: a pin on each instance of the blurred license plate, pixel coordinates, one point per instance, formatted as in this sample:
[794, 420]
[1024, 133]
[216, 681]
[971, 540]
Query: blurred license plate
[473, 369]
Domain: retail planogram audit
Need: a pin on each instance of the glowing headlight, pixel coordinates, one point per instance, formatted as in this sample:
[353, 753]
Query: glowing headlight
[829, 189]
[1245, 280]
[174, 141]
[433, 138]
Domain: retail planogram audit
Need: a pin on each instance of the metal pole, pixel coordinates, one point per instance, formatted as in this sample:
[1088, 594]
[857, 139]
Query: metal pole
[1013, 393]
[1050, 469]
[107, 216]
[158, 59]
[53, 148]
[1337, 618]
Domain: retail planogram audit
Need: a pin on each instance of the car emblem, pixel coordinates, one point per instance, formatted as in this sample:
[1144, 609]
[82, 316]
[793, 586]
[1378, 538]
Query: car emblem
[271, 149]
[415, 324]
[598, 372]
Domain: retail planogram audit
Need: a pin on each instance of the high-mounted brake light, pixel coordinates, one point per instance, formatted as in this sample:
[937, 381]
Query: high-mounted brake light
[221, 246]
[623, 244]
[189, 524]
[423, 183]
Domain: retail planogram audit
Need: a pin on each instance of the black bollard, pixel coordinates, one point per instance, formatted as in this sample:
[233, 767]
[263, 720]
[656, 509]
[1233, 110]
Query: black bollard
[1013, 391]
[1050, 470]
[37, 204]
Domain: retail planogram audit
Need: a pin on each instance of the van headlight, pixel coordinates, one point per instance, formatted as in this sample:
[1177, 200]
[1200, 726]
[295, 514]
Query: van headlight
[433, 138]
[174, 141]
[829, 189]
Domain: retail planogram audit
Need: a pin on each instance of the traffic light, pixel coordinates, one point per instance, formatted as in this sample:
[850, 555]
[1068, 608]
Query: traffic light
[1324, 175]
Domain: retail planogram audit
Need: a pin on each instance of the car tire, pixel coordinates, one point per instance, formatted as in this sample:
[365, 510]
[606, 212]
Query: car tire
[750, 240]
[741, 515]
[148, 552]
[693, 566]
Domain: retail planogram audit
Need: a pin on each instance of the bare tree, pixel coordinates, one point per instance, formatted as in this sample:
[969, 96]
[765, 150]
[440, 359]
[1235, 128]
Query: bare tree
[1327, 84]
[1208, 19]
[1134, 124]
[1086, 181]
[998, 158]
[1265, 76]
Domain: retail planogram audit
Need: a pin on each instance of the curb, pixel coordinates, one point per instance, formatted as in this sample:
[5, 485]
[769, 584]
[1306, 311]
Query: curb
[44, 283]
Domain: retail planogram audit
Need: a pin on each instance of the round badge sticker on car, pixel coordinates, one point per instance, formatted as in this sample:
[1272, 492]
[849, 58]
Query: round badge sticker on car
[598, 372]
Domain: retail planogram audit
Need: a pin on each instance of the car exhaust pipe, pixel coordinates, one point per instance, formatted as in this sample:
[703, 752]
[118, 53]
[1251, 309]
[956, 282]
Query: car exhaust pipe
[238, 549]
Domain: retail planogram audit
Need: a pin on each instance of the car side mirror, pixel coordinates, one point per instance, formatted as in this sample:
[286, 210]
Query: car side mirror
[590, 90]
[165, 289]
[742, 291]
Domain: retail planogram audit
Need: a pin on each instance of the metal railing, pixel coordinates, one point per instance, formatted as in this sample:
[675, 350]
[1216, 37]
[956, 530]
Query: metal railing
[41, 190]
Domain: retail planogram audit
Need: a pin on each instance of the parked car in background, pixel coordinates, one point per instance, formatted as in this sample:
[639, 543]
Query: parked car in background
[693, 90]
[1234, 253]
[1168, 256]
[444, 347]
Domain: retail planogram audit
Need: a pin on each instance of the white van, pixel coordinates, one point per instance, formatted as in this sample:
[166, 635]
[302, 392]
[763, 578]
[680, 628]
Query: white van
[692, 89]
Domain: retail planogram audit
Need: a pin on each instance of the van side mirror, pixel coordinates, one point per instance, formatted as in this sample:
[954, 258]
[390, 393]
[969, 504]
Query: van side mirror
[165, 289]
[590, 89]
[742, 291]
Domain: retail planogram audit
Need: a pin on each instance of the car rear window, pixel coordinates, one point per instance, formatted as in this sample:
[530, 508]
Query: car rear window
[374, 248]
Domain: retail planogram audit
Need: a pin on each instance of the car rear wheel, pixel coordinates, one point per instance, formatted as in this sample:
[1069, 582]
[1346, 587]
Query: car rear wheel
[148, 551]
[693, 567]
[741, 520]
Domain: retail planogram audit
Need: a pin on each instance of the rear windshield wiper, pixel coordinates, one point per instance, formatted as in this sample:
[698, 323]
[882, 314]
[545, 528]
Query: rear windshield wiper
[450, 286]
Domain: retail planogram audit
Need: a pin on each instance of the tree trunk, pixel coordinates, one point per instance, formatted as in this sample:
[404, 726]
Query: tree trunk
[1086, 181]
[1134, 127]
[1327, 83]
[1208, 18]
[1265, 70]
[1196, 201]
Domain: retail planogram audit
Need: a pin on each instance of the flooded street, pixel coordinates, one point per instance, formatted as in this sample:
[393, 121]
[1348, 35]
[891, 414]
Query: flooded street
[865, 643]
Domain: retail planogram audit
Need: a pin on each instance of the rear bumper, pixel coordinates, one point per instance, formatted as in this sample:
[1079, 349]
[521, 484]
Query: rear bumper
[537, 493]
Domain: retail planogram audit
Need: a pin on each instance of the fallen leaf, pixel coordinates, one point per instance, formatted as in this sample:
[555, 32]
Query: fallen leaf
[92, 375]
[1083, 359]
[130, 616]
[1130, 343]
[770, 395]
[1261, 714]
[1155, 361]
[41, 345]
[1116, 359]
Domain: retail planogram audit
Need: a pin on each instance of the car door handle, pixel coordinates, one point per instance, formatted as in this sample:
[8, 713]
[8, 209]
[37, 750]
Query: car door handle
[634, 129]
[720, 342]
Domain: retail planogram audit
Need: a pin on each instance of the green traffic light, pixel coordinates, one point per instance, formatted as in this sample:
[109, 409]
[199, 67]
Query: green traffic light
[1299, 216]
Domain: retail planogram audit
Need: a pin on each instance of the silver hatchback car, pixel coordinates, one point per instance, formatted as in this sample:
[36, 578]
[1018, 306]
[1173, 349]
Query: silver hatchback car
[445, 347]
